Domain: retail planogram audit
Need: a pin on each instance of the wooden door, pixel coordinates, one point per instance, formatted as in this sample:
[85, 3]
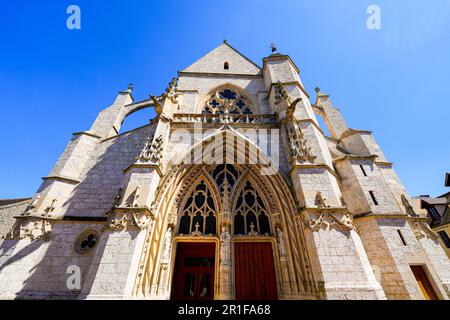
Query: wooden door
[424, 283]
[194, 271]
[254, 271]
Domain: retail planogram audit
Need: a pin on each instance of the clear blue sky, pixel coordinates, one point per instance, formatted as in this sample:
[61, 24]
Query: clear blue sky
[54, 81]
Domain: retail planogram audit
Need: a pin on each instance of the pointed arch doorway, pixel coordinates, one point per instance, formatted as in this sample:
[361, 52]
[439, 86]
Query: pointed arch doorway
[224, 243]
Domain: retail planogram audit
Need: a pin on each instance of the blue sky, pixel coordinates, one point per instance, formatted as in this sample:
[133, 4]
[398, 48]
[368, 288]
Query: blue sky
[54, 81]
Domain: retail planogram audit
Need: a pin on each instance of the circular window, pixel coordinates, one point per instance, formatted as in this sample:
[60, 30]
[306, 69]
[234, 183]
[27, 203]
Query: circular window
[86, 241]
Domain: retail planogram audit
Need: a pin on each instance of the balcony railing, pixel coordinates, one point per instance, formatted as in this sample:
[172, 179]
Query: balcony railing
[225, 118]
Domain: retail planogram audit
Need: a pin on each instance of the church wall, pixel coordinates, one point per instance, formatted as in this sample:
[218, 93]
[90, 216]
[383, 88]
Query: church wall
[95, 195]
[108, 274]
[340, 262]
[203, 85]
[394, 183]
[76, 158]
[356, 187]
[39, 269]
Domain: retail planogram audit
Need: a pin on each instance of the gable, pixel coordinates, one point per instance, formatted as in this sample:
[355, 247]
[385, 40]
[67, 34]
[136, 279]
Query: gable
[214, 61]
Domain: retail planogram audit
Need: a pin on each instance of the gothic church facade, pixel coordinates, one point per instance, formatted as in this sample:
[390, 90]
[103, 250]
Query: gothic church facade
[232, 191]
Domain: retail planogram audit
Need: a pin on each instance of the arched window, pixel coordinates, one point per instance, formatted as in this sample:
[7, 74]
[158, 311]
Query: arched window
[226, 66]
[227, 101]
[199, 212]
[250, 213]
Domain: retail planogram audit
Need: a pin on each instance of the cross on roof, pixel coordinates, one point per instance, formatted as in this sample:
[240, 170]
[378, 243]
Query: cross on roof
[273, 47]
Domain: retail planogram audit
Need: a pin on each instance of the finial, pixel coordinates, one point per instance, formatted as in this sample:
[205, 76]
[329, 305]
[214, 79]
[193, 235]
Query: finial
[130, 87]
[317, 89]
[273, 47]
[225, 41]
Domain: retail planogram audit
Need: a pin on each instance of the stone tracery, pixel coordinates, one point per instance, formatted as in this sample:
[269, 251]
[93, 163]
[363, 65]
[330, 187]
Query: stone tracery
[228, 101]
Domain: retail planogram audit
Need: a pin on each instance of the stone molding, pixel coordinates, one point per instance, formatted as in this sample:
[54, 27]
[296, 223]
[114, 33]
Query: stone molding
[61, 179]
[351, 132]
[125, 218]
[315, 219]
[30, 227]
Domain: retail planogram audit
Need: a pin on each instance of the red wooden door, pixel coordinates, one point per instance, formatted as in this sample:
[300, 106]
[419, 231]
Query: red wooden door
[254, 271]
[194, 271]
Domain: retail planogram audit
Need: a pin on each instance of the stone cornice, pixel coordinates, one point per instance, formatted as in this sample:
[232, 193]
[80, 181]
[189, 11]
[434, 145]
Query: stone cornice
[191, 125]
[187, 91]
[143, 209]
[312, 166]
[87, 133]
[355, 157]
[218, 75]
[322, 209]
[61, 179]
[375, 215]
[83, 219]
[351, 132]
[384, 163]
[144, 165]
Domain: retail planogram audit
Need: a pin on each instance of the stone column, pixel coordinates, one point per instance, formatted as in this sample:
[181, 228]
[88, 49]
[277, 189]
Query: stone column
[225, 265]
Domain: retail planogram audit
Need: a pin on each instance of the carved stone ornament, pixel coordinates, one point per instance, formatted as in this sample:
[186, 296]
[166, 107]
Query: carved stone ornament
[328, 220]
[152, 151]
[280, 93]
[298, 148]
[280, 241]
[167, 246]
[225, 249]
[122, 220]
[291, 109]
[171, 92]
[422, 230]
[30, 227]
[320, 201]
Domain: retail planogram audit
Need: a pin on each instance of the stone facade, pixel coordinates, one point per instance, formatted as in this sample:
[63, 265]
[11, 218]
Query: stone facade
[108, 220]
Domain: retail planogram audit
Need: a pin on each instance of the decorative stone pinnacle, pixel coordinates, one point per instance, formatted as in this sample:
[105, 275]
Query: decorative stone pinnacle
[130, 87]
[317, 89]
[225, 41]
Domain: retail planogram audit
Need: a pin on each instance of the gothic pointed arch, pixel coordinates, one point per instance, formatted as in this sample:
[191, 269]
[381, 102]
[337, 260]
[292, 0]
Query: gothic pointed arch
[182, 177]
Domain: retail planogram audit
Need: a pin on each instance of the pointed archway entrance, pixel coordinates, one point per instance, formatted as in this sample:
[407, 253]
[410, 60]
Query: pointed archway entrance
[240, 208]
